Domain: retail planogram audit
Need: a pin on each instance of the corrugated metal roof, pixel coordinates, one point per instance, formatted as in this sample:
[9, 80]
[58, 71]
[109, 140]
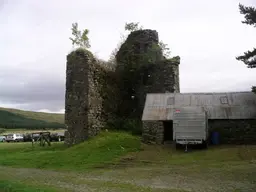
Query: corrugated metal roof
[226, 105]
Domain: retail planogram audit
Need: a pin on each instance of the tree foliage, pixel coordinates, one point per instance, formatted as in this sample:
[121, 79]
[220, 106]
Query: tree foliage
[249, 57]
[254, 89]
[165, 50]
[80, 39]
[249, 14]
[132, 27]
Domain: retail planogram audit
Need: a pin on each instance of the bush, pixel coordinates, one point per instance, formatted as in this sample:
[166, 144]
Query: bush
[2, 130]
[27, 137]
[122, 124]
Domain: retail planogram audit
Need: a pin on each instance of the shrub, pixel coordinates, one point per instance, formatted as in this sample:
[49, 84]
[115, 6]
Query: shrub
[123, 124]
[2, 130]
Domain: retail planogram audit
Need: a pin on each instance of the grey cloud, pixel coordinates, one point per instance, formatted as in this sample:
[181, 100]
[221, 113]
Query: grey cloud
[34, 43]
[32, 92]
[41, 92]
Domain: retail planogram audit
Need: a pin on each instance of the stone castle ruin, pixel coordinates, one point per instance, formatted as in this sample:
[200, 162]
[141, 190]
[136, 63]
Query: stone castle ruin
[96, 94]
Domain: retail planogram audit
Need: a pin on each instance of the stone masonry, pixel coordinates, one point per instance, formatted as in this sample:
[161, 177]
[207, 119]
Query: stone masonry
[140, 48]
[165, 78]
[230, 131]
[234, 131]
[90, 101]
[153, 132]
[83, 103]
[142, 53]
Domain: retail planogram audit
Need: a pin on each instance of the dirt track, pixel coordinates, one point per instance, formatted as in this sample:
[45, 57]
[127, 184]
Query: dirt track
[142, 178]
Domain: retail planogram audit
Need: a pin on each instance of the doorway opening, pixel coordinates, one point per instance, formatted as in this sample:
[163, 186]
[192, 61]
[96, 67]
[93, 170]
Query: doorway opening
[168, 131]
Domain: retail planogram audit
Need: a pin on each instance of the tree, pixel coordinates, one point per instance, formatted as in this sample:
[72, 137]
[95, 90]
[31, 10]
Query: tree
[135, 26]
[249, 57]
[80, 38]
[254, 89]
[132, 26]
[165, 50]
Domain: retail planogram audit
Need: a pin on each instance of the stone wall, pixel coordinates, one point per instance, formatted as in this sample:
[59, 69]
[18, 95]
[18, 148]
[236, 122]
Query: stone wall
[234, 131]
[140, 48]
[153, 132]
[141, 57]
[95, 114]
[83, 101]
[139, 51]
[94, 94]
[76, 97]
[230, 131]
[160, 77]
[164, 77]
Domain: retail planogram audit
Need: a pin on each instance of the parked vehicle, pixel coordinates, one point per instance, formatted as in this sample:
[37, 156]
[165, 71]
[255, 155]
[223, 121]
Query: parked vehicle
[2, 138]
[15, 137]
[57, 137]
[190, 126]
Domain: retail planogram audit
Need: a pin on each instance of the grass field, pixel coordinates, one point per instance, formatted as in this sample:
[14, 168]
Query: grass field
[117, 161]
[104, 149]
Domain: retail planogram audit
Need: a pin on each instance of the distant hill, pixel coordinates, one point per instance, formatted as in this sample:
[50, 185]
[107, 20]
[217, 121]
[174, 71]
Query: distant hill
[14, 118]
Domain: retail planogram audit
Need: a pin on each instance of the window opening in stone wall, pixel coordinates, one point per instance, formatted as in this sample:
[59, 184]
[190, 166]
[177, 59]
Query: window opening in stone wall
[170, 101]
[224, 100]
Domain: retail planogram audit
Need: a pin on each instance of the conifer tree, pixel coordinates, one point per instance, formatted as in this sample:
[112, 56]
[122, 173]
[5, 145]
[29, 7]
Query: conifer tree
[249, 57]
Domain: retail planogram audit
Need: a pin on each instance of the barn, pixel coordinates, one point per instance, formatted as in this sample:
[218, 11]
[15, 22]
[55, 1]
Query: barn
[232, 114]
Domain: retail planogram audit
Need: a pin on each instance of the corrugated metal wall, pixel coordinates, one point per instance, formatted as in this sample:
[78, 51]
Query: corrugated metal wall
[232, 105]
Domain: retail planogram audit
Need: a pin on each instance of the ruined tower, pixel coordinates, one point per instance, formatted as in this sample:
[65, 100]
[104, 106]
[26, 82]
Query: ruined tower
[94, 94]
[83, 102]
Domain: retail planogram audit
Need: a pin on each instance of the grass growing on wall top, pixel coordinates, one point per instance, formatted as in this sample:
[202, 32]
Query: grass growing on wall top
[104, 148]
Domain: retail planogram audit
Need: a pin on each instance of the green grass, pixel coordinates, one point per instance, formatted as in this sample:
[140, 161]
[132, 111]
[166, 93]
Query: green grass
[103, 149]
[109, 147]
[14, 118]
[225, 153]
[14, 186]
[121, 157]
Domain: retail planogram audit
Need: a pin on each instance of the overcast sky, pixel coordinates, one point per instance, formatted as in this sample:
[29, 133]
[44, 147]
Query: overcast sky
[34, 36]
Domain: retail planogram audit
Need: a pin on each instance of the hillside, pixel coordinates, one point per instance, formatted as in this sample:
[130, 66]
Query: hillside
[14, 118]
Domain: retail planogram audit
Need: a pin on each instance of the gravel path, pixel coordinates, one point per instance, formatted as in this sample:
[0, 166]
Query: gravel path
[146, 178]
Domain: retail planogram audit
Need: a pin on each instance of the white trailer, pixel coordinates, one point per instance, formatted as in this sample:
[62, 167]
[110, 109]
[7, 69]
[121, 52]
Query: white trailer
[190, 126]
